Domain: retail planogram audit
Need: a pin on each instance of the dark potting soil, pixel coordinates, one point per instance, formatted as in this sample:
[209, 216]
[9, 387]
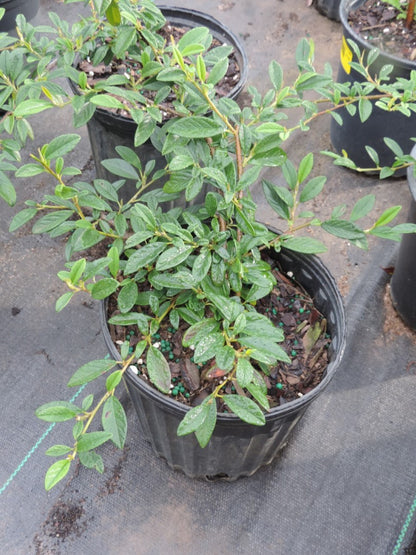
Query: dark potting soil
[377, 23]
[132, 67]
[288, 307]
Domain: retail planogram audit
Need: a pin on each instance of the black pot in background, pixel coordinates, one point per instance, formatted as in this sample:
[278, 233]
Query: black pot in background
[236, 448]
[107, 130]
[353, 135]
[403, 282]
[28, 8]
[330, 8]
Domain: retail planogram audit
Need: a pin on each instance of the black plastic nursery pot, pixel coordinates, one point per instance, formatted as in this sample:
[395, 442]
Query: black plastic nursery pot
[403, 282]
[329, 8]
[353, 135]
[28, 8]
[237, 449]
[107, 130]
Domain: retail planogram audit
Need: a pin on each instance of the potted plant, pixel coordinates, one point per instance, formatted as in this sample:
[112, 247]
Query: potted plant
[329, 8]
[211, 279]
[115, 59]
[402, 285]
[13, 8]
[368, 27]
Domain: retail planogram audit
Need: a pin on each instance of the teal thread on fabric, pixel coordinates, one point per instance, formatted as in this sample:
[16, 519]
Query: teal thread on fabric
[406, 525]
[34, 448]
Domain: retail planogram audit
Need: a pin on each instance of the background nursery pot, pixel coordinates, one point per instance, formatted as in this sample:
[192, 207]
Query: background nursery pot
[353, 135]
[329, 8]
[238, 449]
[108, 130]
[28, 8]
[403, 282]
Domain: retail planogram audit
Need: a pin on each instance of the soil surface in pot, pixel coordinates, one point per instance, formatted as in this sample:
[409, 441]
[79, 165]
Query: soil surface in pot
[377, 23]
[96, 73]
[288, 307]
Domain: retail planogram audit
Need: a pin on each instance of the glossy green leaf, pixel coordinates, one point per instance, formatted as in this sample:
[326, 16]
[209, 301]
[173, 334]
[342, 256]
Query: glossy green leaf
[90, 371]
[179, 280]
[126, 37]
[158, 369]
[21, 218]
[362, 207]
[196, 127]
[225, 357]
[90, 459]
[218, 71]
[307, 245]
[387, 216]
[278, 198]
[59, 146]
[204, 432]
[104, 288]
[56, 473]
[112, 13]
[267, 346]
[208, 346]
[276, 74]
[77, 270]
[343, 229]
[246, 409]
[305, 167]
[180, 162]
[91, 440]
[144, 256]
[144, 131]
[113, 380]
[120, 168]
[259, 395]
[63, 300]
[199, 330]
[30, 107]
[50, 221]
[58, 450]
[365, 108]
[30, 170]
[244, 372]
[172, 257]
[202, 264]
[107, 101]
[312, 188]
[57, 411]
[114, 421]
[127, 296]
[193, 419]
[130, 319]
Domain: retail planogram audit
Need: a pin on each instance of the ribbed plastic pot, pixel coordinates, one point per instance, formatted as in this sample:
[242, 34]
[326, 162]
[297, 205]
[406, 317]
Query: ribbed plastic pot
[107, 130]
[329, 8]
[353, 135]
[236, 448]
[28, 8]
[403, 281]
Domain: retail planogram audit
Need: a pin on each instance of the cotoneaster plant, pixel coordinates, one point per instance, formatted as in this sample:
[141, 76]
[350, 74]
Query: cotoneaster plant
[201, 270]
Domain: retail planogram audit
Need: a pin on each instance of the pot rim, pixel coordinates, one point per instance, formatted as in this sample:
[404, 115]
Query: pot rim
[350, 5]
[282, 410]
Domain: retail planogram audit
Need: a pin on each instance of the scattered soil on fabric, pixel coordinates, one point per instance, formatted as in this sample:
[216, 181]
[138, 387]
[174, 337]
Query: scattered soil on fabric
[112, 483]
[289, 307]
[377, 23]
[64, 520]
[132, 67]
